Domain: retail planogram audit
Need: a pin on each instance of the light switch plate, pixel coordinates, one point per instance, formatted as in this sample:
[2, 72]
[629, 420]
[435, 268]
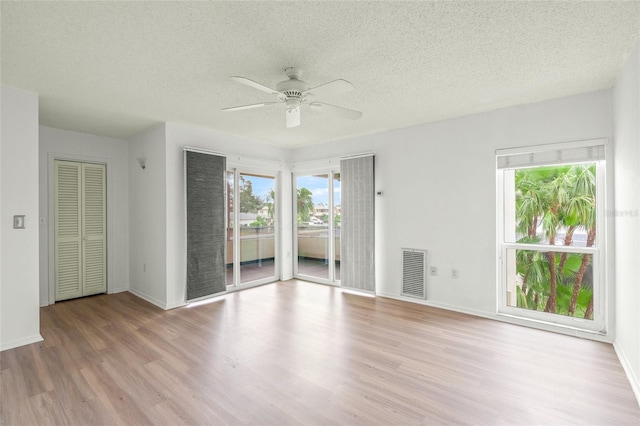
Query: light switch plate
[18, 222]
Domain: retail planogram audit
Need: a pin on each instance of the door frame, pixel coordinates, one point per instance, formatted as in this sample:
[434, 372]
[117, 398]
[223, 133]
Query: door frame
[51, 194]
[331, 171]
[237, 170]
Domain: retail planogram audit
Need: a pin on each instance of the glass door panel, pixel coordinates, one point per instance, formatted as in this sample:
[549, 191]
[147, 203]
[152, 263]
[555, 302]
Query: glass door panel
[256, 223]
[336, 223]
[312, 211]
[230, 227]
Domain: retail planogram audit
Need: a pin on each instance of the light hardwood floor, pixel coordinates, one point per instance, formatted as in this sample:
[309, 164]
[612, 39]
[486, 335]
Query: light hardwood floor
[295, 353]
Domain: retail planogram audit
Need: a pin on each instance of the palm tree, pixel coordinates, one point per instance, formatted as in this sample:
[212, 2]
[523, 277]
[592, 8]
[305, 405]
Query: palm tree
[555, 198]
[529, 202]
[270, 202]
[581, 212]
[304, 204]
[538, 202]
[554, 191]
[532, 266]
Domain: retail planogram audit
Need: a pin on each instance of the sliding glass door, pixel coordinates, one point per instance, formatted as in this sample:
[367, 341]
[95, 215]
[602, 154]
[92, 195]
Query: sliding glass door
[317, 227]
[251, 228]
[336, 225]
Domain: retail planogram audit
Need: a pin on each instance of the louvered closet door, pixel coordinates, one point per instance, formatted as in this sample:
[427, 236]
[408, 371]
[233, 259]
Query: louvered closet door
[80, 225]
[94, 277]
[68, 243]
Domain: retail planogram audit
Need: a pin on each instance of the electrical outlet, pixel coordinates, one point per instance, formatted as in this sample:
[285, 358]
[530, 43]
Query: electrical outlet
[433, 271]
[454, 274]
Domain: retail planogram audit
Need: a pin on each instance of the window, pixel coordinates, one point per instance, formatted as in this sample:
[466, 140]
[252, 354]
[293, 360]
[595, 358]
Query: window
[551, 234]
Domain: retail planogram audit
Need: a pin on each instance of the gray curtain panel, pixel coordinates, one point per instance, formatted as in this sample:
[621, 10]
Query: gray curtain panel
[357, 237]
[206, 240]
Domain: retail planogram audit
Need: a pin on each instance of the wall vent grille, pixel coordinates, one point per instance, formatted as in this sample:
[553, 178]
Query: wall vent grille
[413, 273]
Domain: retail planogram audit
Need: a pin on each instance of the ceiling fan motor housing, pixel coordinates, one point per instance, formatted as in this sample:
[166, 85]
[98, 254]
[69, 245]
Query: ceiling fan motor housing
[292, 88]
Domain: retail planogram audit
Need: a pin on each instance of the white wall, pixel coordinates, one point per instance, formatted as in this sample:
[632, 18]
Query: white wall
[626, 103]
[248, 153]
[156, 199]
[19, 289]
[439, 190]
[66, 145]
[147, 216]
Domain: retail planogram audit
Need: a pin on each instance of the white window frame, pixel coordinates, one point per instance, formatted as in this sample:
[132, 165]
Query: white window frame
[599, 251]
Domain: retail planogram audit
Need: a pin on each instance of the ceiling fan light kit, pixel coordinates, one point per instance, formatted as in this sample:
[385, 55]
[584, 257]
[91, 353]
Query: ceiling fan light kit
[295, 93]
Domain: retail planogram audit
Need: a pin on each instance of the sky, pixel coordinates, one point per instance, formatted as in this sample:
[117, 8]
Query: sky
[317, 185]
[319, 188]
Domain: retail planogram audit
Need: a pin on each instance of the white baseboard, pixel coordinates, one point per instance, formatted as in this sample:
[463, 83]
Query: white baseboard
[626, 365]
[438, 305]
[506, 318]
[175, 305]
[44, 303]
[21, 342]
[150, 299]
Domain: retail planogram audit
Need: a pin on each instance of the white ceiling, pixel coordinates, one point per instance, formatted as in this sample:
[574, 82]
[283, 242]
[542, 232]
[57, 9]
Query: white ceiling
[115, 68]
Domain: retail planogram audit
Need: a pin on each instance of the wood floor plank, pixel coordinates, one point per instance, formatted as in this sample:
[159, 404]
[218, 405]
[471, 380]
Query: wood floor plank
[296, 353]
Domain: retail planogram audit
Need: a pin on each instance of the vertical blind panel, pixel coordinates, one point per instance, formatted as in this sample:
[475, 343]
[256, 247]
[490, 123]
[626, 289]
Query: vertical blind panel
[205, 185]
[357, 224]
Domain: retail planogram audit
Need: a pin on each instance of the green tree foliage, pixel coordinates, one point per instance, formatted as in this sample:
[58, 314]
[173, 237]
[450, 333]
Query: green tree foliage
[304, 204]
[270, 202]
[249, 203]
[259, 222]
[555, 199]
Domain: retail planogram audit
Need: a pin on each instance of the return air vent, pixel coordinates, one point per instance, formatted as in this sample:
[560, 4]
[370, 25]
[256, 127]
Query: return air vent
[413, 273]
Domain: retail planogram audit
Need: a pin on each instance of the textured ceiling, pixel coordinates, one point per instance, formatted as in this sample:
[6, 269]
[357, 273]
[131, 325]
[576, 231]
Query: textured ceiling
[115, 68]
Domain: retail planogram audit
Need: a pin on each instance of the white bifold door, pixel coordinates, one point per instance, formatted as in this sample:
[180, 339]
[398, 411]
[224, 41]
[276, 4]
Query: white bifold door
[80, 229]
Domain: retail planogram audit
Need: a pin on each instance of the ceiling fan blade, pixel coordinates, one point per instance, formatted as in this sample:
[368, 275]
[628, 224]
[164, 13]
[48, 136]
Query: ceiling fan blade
[293, 117]
[336, 110]
[239, 108]
[332, 88]
[255, 85]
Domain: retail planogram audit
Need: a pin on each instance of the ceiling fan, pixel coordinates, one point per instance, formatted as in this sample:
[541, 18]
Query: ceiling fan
[294, 93]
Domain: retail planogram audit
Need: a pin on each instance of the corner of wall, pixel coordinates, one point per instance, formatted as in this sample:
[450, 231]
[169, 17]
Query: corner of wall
[147, 215]
[19, 265]
[626, 109]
